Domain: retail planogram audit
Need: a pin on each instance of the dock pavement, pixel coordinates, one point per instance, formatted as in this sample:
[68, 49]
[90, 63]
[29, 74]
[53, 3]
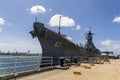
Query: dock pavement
[107, 71]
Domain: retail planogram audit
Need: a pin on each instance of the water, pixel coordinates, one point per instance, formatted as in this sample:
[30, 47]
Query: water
[11, 64]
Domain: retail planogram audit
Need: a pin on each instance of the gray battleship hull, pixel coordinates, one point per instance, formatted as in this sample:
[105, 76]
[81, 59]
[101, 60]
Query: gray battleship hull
[56, 46]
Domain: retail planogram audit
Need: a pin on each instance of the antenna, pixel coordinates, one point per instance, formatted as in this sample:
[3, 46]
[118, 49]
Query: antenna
[36, 15]
[59, 25]
[90, 28]
[36, 18]
[91, 31]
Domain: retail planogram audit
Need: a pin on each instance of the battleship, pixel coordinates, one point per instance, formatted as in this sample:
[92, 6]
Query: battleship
[56, 45]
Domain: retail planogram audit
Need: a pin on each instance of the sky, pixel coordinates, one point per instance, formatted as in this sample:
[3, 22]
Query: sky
[77, 16]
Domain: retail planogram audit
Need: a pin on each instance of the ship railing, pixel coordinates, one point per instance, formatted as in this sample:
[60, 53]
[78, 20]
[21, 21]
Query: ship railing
[14, 65]
[46, 62]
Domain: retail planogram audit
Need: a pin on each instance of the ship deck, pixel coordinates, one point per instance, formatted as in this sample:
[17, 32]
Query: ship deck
[106, 71]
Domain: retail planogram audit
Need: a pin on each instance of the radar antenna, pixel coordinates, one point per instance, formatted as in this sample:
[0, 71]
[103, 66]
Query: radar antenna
[59, 25]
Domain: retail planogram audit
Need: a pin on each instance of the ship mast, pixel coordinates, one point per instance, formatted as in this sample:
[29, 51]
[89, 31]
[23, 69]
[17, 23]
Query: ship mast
[89, 44]
[59, 25]
[36, 17]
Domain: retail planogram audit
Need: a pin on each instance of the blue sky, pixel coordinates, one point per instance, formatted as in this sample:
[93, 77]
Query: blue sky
[16, 20]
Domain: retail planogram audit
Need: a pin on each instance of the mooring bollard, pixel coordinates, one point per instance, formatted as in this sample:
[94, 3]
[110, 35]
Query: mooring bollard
[77, 72]
[87, 67]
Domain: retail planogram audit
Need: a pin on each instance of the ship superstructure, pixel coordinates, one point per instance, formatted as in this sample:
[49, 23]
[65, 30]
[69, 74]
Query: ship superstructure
[90, 45]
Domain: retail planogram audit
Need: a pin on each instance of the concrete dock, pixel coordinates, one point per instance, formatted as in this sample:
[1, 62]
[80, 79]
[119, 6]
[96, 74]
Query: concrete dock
[106, 71]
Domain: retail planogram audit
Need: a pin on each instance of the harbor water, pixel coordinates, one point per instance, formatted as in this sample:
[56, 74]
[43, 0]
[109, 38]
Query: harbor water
[12, 64]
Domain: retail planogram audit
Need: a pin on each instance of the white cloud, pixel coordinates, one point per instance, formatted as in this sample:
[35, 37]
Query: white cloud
[116, 46]
[78, 27]
[109, 45]
[117, 19]
[106, 42]
[65, 21]
[2, 21]
[37, 9]
[50, 9]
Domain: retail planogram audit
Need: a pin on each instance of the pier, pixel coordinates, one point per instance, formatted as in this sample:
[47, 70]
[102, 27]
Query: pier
[106, 71]
[44, 70]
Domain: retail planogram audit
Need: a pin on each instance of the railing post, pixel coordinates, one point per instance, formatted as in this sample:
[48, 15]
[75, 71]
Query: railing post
[15, 74]
[38, 65]
[51, 61]
[21, 63]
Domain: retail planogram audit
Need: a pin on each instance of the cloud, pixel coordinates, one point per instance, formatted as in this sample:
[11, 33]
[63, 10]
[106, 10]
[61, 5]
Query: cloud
[2, 21]
[106, 42]
[78, 27]
[109, 45]
[116, 46]
[37, 9]
[65, 21]
[50, 9]
[117, 19]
